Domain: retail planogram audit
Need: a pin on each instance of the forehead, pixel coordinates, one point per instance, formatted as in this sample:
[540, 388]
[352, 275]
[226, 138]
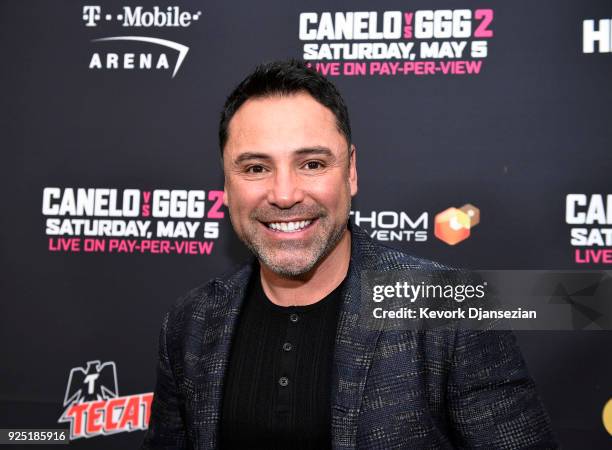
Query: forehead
[281, 123]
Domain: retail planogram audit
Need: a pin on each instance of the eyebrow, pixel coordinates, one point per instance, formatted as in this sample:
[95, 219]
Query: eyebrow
[305, 151]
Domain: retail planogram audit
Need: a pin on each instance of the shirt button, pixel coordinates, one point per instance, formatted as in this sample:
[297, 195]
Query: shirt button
[294, 318]
[287, 346]
[283, 381]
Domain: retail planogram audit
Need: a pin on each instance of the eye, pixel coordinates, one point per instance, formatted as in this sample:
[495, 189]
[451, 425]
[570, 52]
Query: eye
[313, 165]
[255, 169]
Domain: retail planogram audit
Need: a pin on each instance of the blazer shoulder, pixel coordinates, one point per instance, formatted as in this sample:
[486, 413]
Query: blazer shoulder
[392, 259]
[370, 254]
[207, 298]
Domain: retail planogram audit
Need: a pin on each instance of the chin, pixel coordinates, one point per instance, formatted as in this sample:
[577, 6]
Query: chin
[288, 267]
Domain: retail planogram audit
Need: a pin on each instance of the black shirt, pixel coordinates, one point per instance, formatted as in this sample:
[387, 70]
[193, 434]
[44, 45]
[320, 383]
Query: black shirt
[278, 384]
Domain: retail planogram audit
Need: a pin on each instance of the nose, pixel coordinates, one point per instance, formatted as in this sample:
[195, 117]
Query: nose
[285, 190]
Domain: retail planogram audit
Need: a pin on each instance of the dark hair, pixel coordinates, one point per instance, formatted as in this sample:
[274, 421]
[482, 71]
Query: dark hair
[284, 78]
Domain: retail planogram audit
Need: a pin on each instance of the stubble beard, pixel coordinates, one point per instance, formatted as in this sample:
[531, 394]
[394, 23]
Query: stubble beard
[312, 251]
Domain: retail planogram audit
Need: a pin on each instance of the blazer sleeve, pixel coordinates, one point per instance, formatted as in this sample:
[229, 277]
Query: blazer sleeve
[492, 400]
[167, 424]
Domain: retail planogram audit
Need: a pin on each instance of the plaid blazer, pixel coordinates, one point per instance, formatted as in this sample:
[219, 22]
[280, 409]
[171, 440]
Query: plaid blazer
[429, 389]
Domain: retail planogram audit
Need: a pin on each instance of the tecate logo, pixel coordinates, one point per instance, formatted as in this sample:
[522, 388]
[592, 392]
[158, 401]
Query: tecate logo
[93, 407]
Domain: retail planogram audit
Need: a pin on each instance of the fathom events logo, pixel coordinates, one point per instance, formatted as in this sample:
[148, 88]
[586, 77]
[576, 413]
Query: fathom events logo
[393, 225]
[451, 226]
[454, 225]
[136, 52]
[92, 405]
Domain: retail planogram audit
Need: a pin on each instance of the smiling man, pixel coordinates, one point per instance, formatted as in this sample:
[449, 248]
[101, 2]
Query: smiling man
[289, 177]
[274, 356]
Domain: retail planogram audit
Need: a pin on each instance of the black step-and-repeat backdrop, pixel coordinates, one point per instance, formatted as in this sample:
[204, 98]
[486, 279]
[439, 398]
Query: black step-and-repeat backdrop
[490, 114]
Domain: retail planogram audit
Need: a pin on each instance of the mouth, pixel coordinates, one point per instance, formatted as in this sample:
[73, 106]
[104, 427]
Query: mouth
[294, 226]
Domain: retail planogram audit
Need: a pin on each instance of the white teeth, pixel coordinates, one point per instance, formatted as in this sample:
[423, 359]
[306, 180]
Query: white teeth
[289, 227]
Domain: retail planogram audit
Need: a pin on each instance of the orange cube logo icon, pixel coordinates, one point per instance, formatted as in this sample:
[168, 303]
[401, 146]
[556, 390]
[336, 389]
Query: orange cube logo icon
[453, 225]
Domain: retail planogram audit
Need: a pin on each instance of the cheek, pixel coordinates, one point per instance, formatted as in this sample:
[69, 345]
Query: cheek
[243, 197]
[332, 193]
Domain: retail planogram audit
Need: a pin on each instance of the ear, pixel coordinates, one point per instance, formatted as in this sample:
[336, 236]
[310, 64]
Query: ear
[353, 170]
[225, 192]
[225, 196]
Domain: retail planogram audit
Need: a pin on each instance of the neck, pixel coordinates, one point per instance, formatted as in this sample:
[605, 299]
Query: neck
[312, 286]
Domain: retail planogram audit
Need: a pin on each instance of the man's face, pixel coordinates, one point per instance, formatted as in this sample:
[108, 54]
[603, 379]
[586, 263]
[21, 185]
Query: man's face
[288, 181]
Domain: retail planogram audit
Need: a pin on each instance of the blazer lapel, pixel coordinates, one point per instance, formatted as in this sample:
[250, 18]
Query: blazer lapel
[354, 349]
[215, 352]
